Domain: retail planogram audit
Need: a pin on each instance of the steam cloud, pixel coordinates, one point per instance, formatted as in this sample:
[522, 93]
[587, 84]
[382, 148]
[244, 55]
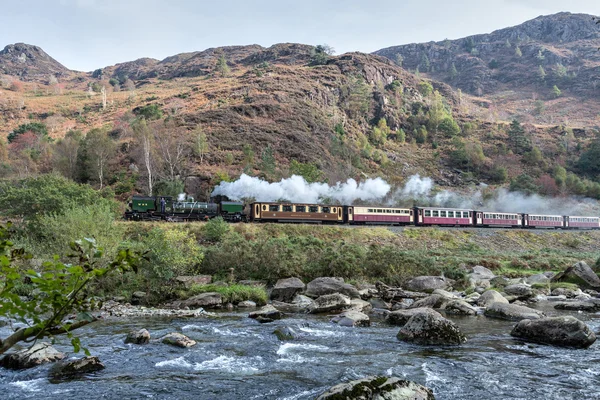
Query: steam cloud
[416, 191]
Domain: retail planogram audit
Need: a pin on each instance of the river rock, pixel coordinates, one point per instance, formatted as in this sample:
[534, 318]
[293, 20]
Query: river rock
[479, 275]
[178, 340]
[472, 298]
[138, 337]
[352, 318]
[500, 281]
[490, 297]
[246, 304]
[285, 289]
[520, 290]
[564, 331]
[330, 302]
[39, 353]
[402, 304]
[512, 312]
[589, 306]
[568, 293]
[285, 333]
[323, 286]
[427, 284]
[580, 272]
[300, 303]
[376, 302]
[460, 307]
[360, 305]
[75, 368]
[192, 280]
[537, 279]
[267, 313]
[138, 297]
[433, 301]
[401, 317]
[431, 329]
[378, 388]
[202, 300]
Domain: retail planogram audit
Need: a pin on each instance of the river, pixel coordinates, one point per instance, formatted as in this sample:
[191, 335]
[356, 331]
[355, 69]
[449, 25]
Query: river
[238, 358]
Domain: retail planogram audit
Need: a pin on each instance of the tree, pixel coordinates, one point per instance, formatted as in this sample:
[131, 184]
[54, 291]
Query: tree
[222, 67]
[540, 55]
[516, 135]
[399, 59]
[380, 132]
[310, 172]
[534, 157]
[425, 65]
[560, 71]
[449, 127]
[145, 140]
[589, 162]
[35, 127]
[518, 52]
[401, 136]
[61, 290]
[248, 155]
[149, 112]
[200, 144]
[425, 88]
[541, 73]
[66, 152]
[100, 150]
[453, 73]
[172, 148]
[523, 183]
[556, 92]
[268, 161]
[357, 96]
[321, 53]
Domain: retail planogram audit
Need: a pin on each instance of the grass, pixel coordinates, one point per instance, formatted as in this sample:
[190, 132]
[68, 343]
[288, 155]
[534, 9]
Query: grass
[233, 293]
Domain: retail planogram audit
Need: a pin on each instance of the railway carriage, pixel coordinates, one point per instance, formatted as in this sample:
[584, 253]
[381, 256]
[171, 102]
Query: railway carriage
[543, 221]
[498, 219]
[373, 215]
[577, 222]
[292, 212]
[443, 216]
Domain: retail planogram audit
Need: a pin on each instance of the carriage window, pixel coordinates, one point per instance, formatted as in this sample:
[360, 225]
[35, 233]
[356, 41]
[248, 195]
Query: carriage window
[466, 214]
[450, 214]
[316, 209]
[287, 208]
[349, 211]
[326, 209]
[427, 213]
[274, 208]
[334, 210]
[264, 208]
[435, 213]
[370, 210]
[300, 208]
[388, 211]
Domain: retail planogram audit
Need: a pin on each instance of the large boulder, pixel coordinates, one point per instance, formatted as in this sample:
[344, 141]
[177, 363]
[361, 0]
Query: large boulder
[300, 303]
[352, 318]
[431, 329]
[580, 273]
[203, 300]
[480, 276]
[361, 305]
[378, 388]
[39, 353]
[428, 284]
[564, 331]
[591, 305]
[330, 302]
[178, 340]
[490, 297]
[285, 289]
[401, 317]
[138, 337]
[512, 312]
[520, 290]
[285, 333]
[460, 307]
[267, 313]
[75, 368]
[433, 301]
[322, 286]
[537, 279]
[193, 280]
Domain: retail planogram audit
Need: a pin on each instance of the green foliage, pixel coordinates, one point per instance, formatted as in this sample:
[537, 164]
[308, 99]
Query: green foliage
[449, 127]
[215, 229]
[222, 68]
[425, 65]
[523, 183]
[420, 135]
[97, 74]
[469, 44]
[234, 293]
[36, 127]
[320, 54]
[556, 92]
[453, 73]
[401, 136]
[46, 194]
[357, 95]
[499, 174]
[493, 64]
[113, 82]
[339, 129]
[541, 73]
[395, 86]
[221, 176]
[560, 71]
[534, 157]
[168, 187]
[425, 88]
[248, 154]
[58, 291]
[518, 52]
[380, 133]
[149, 112]
[467, 155]
[268, 162]
[309, 171]
[589, 162]
[539, 107]
[519, 141]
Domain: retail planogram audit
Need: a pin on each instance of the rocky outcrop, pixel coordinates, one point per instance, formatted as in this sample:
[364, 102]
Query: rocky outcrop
[30, 63]
[580, 273]
[388, 293]
[431, 329]
[490, 297]
[401, 317]
[558, 331]
[352, 318]
[330, 302]
[428, 284]
[591, 305]
[460, 307]
[481, 276]
[75, 368]
[512, 312]
[39, 353]
[192, 280]
[378, 388]
[361, 306]
[433, 301]
[138, 337]
[178, 340]
[521, 291]
[299, 304]
[285, 289]
[267, 313]
[203, 300]
[324, 286]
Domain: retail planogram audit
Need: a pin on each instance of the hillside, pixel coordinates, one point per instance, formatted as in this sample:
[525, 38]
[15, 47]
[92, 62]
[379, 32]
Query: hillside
[30, 63]
[516, 68]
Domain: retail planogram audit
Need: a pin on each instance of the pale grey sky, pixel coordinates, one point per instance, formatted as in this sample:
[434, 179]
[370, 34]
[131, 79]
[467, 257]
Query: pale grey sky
[88, 34]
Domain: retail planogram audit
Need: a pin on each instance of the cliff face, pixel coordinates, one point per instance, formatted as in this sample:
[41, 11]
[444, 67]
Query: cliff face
[564, 45]
[30, 63]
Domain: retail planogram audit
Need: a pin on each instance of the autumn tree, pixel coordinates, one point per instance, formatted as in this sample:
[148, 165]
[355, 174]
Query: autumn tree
[172, 148]
[66, 151]
[100, 150]
[200, 143]
[145, 150]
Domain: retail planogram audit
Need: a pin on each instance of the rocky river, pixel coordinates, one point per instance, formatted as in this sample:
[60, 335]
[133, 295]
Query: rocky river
[238, 358]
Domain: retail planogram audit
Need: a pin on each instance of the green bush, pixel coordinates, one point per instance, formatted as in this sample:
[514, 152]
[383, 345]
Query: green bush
[234, 293]
[215, 229]
[150, 112]
[36, 127]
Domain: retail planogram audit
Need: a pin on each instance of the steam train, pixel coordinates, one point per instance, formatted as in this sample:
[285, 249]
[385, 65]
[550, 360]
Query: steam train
[143, 208]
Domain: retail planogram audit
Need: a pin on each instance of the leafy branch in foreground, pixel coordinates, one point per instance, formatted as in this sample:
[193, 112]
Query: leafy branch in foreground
[59, 302]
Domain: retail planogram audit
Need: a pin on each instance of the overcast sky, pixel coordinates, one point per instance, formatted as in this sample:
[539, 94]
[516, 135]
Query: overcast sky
[88, 34]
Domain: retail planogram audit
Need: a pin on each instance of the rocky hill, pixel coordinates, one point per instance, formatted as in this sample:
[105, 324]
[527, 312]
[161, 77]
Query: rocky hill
[524, 62]
[30, 63]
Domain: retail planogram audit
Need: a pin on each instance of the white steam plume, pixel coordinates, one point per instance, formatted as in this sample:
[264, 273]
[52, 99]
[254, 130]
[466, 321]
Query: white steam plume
[296, 189]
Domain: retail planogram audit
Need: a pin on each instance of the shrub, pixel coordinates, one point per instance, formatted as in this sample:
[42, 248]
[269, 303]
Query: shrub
[150, 112]
[234, 293]
[36, 127]
[425, 88]
[215, 229]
